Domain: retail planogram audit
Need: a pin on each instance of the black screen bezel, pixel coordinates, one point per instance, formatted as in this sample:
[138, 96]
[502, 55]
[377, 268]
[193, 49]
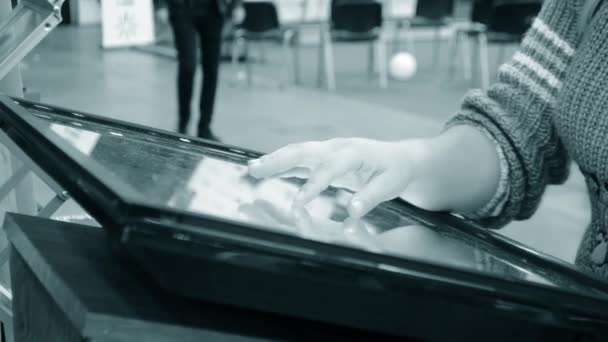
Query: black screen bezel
[116, 213]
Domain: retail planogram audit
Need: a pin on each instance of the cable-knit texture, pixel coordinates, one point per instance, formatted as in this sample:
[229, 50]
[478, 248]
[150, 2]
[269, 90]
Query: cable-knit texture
[550, 103]
[518, 110]
[582, 122]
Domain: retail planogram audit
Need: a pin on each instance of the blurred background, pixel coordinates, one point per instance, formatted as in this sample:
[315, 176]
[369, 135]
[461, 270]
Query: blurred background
[296, 70]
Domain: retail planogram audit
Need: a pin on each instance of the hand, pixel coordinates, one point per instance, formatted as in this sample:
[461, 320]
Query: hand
[270, 215]
[296, 220]
[376, 171]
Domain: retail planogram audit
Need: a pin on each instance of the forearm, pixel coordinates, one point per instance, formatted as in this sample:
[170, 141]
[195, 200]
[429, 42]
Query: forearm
[457, 171]
[517, 113]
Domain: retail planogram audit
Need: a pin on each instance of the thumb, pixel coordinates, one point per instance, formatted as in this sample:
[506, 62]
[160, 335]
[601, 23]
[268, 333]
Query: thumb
[380, 188]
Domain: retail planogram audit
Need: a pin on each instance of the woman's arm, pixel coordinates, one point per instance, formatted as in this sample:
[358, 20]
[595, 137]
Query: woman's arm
[517, 110]
[459, 170]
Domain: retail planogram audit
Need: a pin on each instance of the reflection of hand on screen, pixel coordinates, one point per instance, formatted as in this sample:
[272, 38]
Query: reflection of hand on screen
[356, 232]
[295, 220]
[264, 213]
[299, 221]
[251, 212]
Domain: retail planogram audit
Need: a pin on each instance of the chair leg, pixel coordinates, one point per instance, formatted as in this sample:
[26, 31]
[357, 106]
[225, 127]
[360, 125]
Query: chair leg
[371, 60]
[248, 71]
[396, 44]
[381, 58]
[328, 57]
[467, 63]
[409, 38]
[452, 48]
[436, 48]
[320, 63]
[262, 49]
[483, 61]
[295, 45]
[287, 39]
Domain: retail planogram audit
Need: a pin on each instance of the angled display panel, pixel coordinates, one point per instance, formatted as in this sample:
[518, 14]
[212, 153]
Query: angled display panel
[173, 201]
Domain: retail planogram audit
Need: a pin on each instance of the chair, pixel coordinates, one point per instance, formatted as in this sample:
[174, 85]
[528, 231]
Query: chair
[353, 21]
[428, 13]
[493, 21]
[261, 23]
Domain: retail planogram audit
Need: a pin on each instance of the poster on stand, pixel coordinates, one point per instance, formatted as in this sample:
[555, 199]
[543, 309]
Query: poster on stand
[127, 23]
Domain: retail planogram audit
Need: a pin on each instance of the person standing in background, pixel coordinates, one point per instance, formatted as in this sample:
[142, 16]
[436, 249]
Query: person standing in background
[203, 19]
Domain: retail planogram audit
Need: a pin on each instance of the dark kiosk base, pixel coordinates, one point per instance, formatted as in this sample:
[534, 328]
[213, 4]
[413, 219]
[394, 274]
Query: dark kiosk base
[68, 286]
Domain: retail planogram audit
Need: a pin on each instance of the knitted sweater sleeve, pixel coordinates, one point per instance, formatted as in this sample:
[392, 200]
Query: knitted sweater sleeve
[516, 112]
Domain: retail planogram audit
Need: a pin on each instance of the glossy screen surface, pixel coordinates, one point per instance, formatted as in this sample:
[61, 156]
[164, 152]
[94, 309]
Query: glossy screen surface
[175, 173]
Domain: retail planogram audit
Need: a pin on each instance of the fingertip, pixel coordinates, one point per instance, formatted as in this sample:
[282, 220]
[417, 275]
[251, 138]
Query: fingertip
[255, 167]
[357, 208]
[254, 162]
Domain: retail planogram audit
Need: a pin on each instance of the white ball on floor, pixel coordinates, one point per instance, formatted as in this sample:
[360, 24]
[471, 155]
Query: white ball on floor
[402, 66]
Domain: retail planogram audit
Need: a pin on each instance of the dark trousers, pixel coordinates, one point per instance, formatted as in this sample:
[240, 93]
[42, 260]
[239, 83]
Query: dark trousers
[187, 26]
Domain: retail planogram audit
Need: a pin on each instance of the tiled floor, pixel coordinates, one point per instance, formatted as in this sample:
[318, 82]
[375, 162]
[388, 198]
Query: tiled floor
[69, 69]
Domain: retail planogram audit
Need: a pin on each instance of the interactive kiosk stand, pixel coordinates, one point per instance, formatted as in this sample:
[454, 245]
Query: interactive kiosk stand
[184, 214]
[20, 30]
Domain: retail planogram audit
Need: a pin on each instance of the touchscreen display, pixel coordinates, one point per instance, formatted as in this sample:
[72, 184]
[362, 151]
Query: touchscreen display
[176, 173]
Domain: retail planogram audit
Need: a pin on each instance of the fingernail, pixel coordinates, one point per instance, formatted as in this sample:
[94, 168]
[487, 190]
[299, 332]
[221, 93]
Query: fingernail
[356, 208]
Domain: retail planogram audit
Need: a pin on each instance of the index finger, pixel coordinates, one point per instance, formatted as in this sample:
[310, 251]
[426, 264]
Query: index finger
[323, 176]
[284, 159]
